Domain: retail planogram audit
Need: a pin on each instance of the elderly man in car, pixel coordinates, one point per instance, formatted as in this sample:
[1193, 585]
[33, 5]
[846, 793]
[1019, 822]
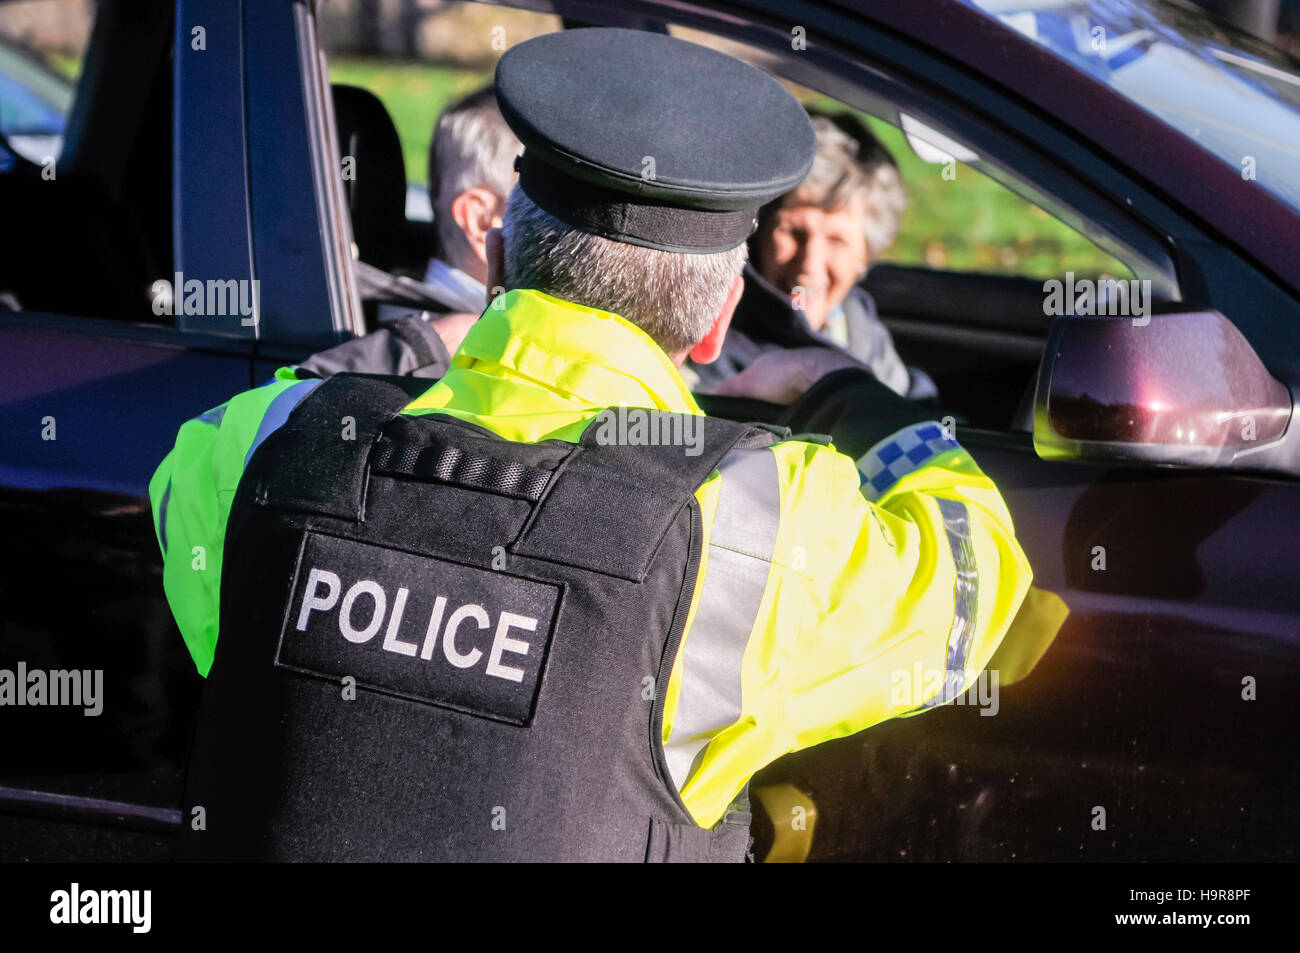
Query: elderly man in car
[471, 171]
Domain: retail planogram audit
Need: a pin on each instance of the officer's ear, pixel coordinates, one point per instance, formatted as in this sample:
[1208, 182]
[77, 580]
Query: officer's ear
[710, 346]
[494, 246]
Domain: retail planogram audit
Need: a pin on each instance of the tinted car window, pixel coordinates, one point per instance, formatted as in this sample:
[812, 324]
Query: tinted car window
[1233, 94]
[86, 234]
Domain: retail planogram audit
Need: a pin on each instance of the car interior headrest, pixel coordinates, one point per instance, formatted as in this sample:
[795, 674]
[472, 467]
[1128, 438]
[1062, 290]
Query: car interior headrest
[375, 177]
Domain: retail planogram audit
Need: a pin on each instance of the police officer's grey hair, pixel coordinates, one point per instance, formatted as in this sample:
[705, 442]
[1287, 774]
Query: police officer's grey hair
[850, 165]
[675, 298]
[472, 148]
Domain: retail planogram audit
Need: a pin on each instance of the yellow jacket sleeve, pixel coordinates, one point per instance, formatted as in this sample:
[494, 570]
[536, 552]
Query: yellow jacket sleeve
[913, 574]
[892, 580]
[191, 494]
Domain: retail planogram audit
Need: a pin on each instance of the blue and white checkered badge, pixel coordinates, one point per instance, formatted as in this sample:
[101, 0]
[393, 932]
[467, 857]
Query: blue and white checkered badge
[899, 454]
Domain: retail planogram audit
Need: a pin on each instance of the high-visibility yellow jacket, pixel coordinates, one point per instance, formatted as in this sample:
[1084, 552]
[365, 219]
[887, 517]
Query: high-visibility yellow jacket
[889, 583]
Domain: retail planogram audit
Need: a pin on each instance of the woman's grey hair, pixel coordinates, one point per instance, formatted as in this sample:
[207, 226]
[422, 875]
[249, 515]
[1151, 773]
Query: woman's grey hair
[472, 148]
[673, 297]
[848, 165]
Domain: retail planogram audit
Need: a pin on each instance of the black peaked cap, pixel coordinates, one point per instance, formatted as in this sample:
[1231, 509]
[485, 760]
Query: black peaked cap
[648, 139]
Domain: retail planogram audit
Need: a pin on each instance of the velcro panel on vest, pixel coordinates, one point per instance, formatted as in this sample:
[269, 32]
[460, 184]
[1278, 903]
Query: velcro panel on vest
[456, 466]
[613, 499]
[316, 462]
[392, 643]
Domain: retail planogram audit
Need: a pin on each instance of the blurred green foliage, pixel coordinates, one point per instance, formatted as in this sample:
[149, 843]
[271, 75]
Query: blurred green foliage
[971, 223]
[69, 66]
[967, 223]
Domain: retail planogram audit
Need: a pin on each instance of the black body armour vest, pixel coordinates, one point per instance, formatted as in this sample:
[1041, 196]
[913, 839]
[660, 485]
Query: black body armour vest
[437, 644]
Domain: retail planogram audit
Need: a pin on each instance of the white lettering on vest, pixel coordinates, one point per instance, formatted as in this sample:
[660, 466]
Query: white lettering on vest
[311, 601]
[322, 593]
[435, 621]
[449, 637]
[376, 592]
[502, 644]
[391, 642]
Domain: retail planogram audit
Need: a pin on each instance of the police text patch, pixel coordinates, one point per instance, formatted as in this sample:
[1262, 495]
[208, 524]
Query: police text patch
[419, 627]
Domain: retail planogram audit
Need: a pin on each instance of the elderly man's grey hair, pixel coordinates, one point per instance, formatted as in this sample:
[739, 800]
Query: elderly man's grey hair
[673, 297]
[472, 148]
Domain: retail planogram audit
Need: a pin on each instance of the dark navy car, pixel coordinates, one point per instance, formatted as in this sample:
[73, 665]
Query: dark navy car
[202, 144]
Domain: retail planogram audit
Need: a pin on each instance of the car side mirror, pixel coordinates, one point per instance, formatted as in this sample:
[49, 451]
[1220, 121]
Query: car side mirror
[1171, 389]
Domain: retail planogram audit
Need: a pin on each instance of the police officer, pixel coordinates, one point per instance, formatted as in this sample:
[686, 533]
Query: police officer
[493, 619]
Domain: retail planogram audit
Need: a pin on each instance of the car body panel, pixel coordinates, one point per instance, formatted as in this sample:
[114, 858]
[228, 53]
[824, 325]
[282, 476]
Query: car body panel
[102, 394]
[1138, 706]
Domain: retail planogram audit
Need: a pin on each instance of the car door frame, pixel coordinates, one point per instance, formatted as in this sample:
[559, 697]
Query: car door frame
[239, 126]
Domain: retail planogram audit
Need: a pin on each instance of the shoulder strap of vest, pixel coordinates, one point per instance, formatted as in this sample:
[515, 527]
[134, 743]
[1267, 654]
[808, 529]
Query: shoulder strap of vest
[316, 461]
[625, 489]
[603, 505]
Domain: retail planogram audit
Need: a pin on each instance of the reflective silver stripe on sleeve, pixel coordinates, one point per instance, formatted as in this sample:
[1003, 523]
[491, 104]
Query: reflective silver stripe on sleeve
[965, 599]
[162, 515]
[741, 545]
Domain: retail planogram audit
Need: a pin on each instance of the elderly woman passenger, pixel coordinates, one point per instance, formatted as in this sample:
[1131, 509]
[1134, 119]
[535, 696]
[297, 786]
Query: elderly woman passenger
[816, 244]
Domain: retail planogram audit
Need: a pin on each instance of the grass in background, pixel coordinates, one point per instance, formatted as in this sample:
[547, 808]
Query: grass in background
[969, 223]
[66, 64]
[972, 223]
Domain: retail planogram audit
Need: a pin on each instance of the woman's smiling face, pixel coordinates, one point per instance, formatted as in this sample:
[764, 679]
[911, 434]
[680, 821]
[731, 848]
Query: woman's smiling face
[815, 256]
